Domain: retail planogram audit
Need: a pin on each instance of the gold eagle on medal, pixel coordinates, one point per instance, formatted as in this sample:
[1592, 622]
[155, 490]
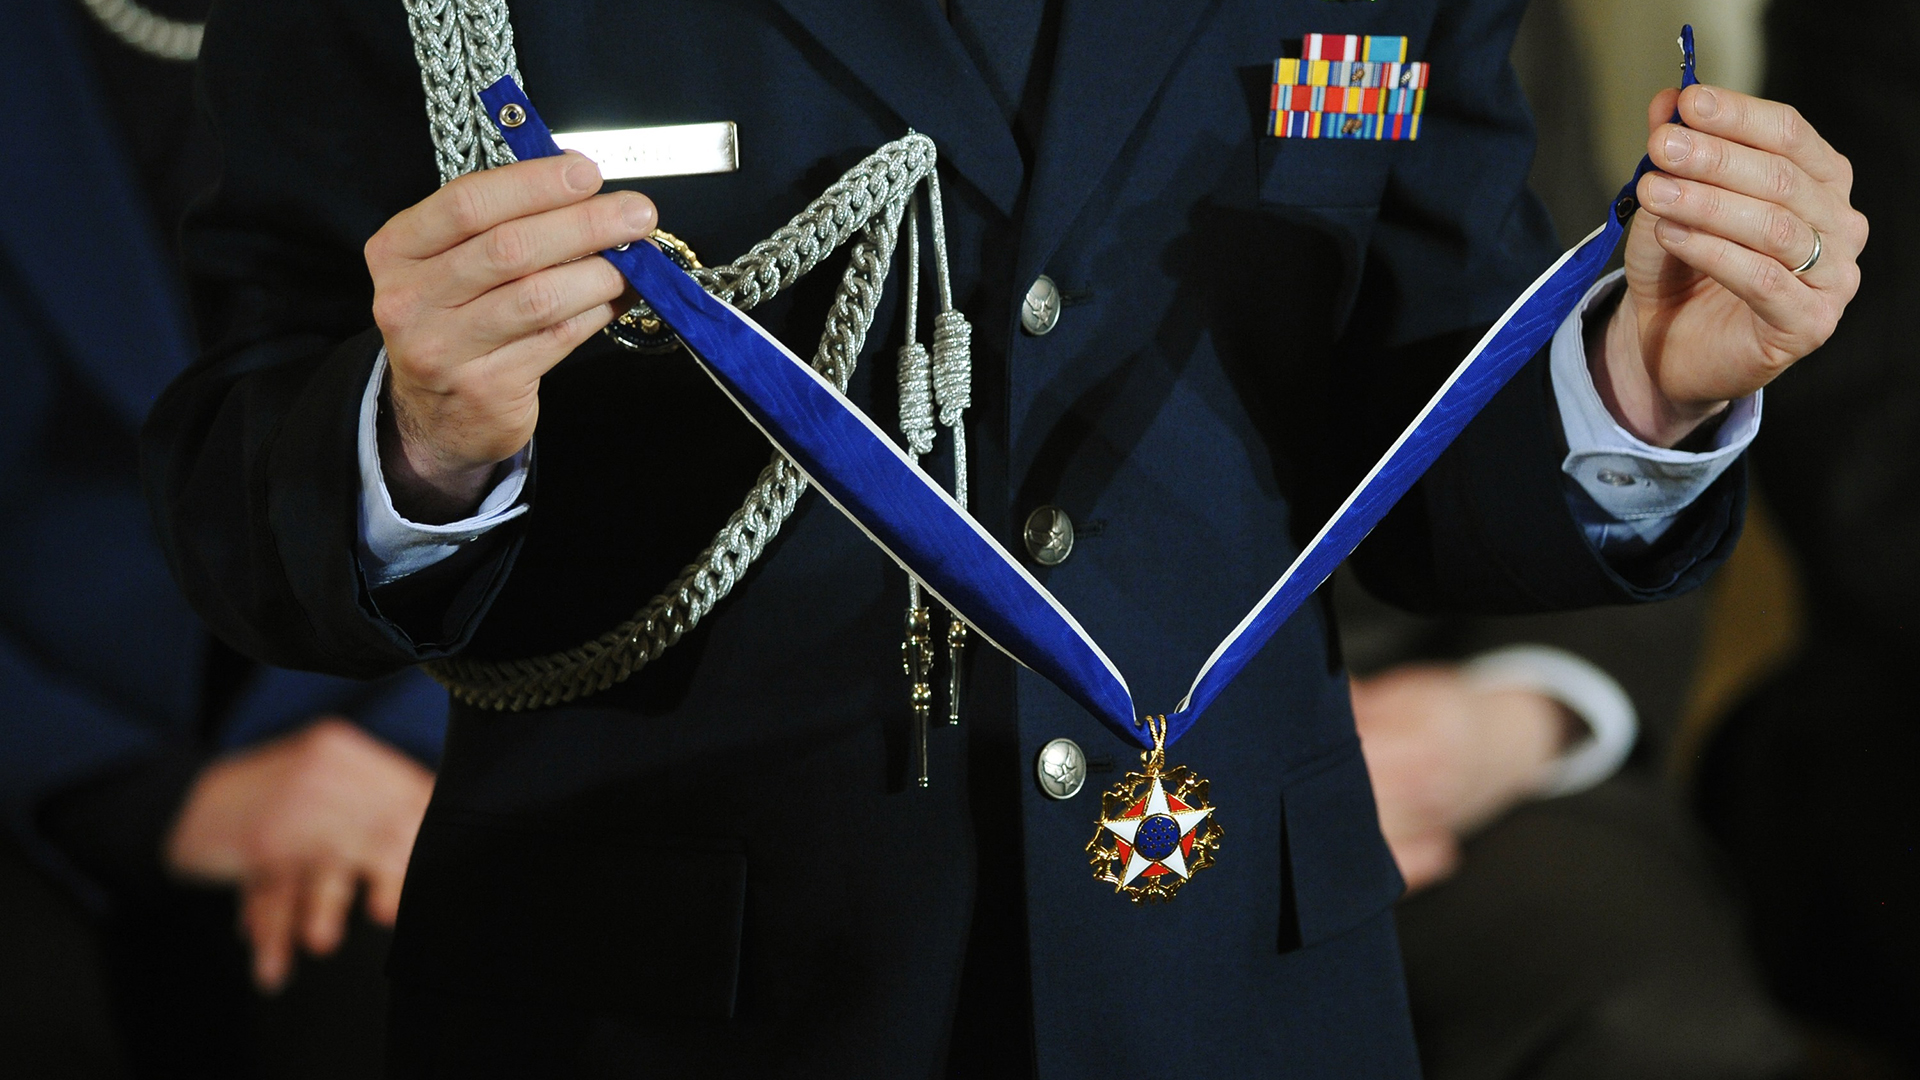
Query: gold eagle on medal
[1157, 828]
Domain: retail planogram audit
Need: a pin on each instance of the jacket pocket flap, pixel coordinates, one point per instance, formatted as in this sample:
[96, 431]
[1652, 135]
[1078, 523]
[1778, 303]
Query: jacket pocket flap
[1338, 867]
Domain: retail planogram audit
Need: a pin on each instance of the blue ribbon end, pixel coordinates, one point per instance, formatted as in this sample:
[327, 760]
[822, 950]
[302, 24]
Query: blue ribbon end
[525, 133]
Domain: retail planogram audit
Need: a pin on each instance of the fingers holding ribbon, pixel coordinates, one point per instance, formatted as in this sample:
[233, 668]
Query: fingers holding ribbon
[1752, 196]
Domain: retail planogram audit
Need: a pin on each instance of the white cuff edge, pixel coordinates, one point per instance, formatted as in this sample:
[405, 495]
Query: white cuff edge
[391, 546]
[1582, 687]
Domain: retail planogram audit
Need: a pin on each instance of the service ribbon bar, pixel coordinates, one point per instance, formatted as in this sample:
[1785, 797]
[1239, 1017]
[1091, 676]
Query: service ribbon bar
[883, 492]
[1347, 99]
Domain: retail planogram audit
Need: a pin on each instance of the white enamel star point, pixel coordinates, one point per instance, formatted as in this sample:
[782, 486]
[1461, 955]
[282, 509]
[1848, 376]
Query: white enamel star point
[1156, 831]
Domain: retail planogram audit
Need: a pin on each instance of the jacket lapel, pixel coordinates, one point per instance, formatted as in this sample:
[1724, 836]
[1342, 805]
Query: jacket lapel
[904, 52]
[1113, 55]
[74, 224]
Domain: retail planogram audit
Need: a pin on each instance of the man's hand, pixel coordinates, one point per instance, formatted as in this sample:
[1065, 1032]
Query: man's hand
[299, 824]
[479, 289]
[1446, 757]
[1712, 310]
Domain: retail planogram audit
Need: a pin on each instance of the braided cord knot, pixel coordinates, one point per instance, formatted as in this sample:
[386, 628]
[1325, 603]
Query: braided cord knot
[952, 365]
[916, 397]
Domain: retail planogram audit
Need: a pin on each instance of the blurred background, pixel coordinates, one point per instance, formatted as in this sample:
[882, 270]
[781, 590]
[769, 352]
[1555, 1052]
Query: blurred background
[1737, 899]
[1706, 868]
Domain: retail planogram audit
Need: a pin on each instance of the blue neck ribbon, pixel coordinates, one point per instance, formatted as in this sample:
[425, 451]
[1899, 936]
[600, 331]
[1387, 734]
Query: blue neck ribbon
[863, 473]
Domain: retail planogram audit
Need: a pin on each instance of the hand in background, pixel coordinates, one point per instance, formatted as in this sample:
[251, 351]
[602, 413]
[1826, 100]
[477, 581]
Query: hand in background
[1447, 757]
[299, 824]
[1713, 310]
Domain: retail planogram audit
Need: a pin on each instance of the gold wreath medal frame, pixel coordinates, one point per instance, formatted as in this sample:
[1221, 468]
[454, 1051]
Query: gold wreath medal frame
[1180, 782]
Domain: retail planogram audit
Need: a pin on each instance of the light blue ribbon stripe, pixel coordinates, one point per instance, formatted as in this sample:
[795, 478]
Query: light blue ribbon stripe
[868, 478]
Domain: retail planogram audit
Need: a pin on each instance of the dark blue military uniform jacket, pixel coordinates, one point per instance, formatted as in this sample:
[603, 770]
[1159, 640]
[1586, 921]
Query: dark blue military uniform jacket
[716, 868]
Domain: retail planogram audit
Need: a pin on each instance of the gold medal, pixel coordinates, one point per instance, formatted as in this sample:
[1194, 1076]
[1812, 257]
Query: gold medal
[1157, 828]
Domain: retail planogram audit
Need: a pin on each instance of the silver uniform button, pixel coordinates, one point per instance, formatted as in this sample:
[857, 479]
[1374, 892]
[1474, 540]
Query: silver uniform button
[1614, 478]
[1041, 309]
[1049, 535]
[1061, 769]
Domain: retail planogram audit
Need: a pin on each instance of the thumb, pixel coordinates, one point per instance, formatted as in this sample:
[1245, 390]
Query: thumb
[1426, 858]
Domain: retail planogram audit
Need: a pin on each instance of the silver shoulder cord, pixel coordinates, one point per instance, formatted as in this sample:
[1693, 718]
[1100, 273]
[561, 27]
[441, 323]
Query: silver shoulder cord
[464, 45]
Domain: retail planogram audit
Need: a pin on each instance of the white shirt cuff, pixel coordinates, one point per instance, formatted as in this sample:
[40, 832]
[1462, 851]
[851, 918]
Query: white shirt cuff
[391, 547]
[1590, 693]
[1640, 488]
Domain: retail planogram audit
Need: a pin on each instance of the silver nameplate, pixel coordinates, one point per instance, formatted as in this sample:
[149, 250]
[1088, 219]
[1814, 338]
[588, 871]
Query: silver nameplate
[663, 150]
